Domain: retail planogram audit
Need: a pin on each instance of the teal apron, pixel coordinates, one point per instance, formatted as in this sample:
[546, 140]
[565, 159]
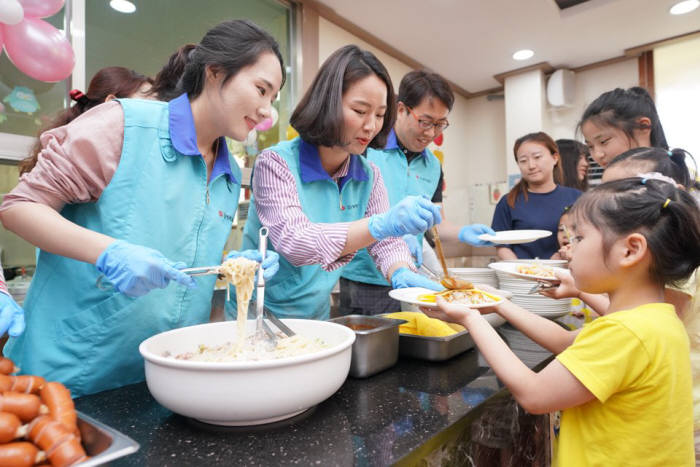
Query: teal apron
[304, 291]
[401, 179]
[87, 337]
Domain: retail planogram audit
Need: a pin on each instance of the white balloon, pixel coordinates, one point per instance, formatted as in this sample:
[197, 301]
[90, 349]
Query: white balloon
[274, 115]
[251, 139]
[11, 12]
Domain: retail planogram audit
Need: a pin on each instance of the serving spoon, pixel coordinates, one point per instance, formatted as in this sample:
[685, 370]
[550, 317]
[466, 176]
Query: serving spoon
[447, 281]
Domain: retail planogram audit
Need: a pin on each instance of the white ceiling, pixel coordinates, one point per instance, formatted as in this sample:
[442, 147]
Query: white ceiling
[470, 41]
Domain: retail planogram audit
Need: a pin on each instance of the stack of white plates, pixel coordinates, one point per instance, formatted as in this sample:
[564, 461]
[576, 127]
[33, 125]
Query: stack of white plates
[18, 288]
[514, 284]
[543, 306]
[486, 276]
[538, 304]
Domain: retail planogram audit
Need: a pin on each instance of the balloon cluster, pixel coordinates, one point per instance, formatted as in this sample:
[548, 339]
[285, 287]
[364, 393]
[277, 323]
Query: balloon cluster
[34, 46]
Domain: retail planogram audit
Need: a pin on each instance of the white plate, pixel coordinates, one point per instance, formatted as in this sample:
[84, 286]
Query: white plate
[511, 237]
[411, 294]
[512, 269]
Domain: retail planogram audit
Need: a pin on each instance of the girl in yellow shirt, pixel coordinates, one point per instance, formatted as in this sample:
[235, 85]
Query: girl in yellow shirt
[623, 381]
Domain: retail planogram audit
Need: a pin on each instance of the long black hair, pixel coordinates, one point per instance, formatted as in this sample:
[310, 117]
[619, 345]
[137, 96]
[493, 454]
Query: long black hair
[666, 215]
[227, 47]
[666, 162]
[622, 108]
[318, 118]
[570, 152]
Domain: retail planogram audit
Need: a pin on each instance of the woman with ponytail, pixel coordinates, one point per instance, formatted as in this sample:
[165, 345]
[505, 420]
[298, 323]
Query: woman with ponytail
[109, 83]
[537, 200]
[125, 196]
[620, 120]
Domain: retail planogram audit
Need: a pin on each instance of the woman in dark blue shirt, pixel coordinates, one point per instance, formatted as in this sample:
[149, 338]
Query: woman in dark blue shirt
[537, 200]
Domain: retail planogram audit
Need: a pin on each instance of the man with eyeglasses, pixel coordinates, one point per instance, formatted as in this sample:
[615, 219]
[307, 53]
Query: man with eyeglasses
[408, 167]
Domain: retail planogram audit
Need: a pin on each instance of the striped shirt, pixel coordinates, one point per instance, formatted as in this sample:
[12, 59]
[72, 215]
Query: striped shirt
[303, 242]
[3, 286]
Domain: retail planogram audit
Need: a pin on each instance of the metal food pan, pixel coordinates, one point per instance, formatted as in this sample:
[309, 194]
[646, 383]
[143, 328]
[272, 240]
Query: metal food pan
[376, 345]
[434, 349]
[102, 443]
[437, 349]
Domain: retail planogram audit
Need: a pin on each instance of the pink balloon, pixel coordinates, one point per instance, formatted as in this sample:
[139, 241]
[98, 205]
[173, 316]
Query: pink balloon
[264, 125]
[41, 8]
[39, 50]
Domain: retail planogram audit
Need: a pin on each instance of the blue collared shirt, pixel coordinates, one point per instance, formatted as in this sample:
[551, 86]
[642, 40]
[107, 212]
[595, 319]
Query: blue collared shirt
[312, 170]
[184, 137]
[393, 143]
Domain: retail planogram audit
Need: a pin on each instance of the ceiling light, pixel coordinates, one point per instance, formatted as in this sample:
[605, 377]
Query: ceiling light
[123, 6]
[523, 54]
[684, 7]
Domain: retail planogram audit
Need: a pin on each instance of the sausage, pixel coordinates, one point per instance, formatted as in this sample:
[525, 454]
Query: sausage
[61, 407]
[25, 406]
[62, 447]
[20, 454]
[7, 366]
[11, 427]
[23, 383]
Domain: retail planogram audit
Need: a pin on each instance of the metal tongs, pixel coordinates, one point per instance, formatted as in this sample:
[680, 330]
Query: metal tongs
[202, 271]
[543, 285]
[262, 330]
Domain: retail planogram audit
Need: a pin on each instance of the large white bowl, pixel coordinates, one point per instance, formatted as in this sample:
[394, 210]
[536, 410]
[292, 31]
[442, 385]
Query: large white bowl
[245, 392]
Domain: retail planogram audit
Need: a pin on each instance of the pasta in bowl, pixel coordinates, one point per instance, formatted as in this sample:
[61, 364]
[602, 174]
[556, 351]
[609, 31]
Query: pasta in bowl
[245, 392]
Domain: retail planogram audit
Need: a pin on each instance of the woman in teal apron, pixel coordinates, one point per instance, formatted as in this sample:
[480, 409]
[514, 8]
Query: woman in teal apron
[322, 201]
[102, 283]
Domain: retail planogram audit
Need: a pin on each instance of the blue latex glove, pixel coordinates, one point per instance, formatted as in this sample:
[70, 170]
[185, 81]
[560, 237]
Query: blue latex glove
[11, 316]
[470, 234]
[404, 277]
[415, 248]
[135, 270]
[270, 266]
[412, 215]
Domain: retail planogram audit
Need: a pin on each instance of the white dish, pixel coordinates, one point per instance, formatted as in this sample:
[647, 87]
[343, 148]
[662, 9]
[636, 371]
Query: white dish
[512, 269]
[245, 392]
[512, 237]
[411, 294]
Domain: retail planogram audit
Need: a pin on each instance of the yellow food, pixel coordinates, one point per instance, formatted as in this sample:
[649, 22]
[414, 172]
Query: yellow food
[462, 297]
[536, 270]
[421, 325]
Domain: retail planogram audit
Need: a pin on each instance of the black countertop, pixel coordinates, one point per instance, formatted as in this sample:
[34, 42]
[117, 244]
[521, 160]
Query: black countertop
[398, 415]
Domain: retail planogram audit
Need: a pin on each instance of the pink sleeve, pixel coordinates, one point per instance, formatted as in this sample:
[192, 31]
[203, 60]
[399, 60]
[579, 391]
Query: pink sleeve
[77, 161]
[3, 286]
[391, 250]
[293, 235]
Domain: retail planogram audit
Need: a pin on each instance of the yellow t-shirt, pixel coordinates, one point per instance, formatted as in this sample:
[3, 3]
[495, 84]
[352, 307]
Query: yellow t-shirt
[636, 363]
[692, 326]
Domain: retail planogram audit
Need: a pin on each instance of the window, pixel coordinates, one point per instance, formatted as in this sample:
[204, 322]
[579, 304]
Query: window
[142, 41]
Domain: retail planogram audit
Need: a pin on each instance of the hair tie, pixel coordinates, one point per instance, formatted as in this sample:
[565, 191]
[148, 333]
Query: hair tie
[666, 203]
[670, 153]
[78, 96]
[644, 181]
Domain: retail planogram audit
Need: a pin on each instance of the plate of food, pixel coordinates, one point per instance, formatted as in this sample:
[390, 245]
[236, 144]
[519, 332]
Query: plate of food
[531, 271]
[512, 237]
[466, 298]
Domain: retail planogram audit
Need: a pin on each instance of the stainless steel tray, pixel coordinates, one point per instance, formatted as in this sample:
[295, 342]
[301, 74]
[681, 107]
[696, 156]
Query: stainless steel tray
[434, 349]
[102, 443]
[376, 345]
[437, 349]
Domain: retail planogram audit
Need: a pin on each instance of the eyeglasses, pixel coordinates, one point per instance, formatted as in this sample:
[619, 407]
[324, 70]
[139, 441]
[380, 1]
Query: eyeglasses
[439, 126]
